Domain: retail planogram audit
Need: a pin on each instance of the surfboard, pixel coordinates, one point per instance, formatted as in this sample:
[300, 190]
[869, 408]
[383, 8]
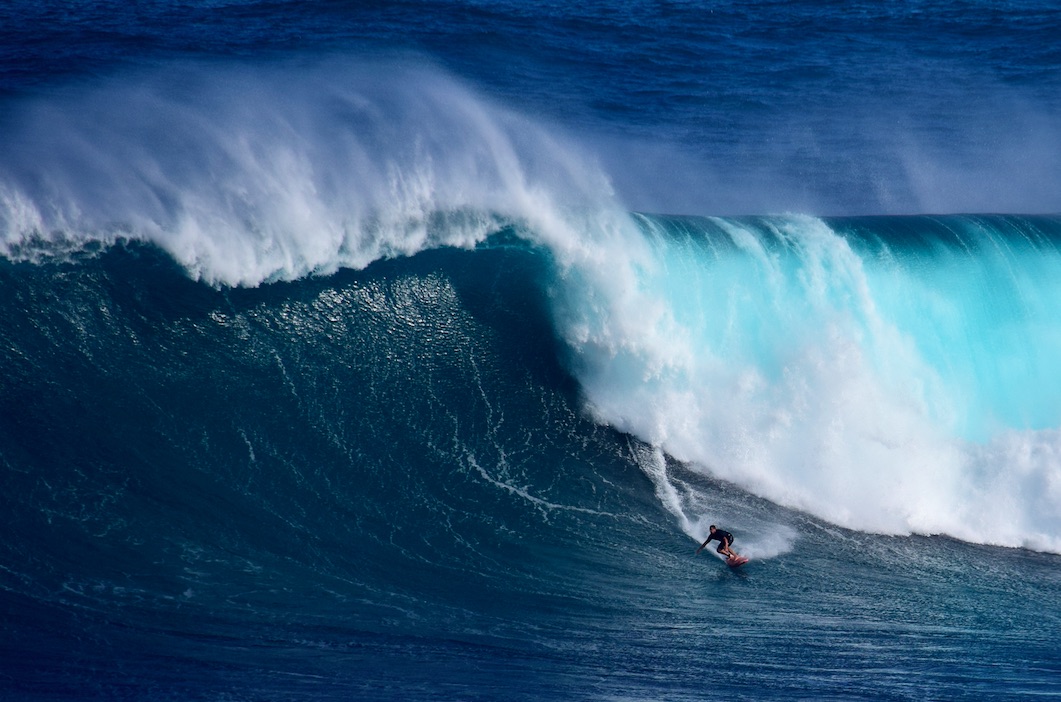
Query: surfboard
[736, 562]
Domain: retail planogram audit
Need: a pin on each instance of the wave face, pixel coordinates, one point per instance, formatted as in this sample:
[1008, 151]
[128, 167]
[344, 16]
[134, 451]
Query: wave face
[354, 463]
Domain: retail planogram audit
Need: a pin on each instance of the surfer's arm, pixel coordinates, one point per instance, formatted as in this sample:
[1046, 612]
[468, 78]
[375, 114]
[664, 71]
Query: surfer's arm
[703, 545]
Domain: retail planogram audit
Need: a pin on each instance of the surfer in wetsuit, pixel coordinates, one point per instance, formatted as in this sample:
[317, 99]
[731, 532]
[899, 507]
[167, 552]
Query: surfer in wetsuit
[724, 539]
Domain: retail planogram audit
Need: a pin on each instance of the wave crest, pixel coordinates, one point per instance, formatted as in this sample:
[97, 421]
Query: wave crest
[246, 175]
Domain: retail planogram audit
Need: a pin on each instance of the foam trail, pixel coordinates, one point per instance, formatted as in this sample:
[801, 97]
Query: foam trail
[654, 464]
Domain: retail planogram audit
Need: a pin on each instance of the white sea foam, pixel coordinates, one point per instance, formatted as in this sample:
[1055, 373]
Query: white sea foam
[779, 365]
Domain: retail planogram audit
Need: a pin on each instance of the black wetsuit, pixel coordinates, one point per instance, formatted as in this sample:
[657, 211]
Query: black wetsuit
[725, 539]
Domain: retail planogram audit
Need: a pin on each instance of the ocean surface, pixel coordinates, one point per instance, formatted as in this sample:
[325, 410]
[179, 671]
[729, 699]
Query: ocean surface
[407, 350]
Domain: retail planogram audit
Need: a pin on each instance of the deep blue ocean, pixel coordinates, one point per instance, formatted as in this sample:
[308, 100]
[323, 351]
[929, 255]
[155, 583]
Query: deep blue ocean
[407, 350]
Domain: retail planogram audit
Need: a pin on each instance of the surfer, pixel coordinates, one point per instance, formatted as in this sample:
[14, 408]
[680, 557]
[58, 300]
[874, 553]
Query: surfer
[724, 539]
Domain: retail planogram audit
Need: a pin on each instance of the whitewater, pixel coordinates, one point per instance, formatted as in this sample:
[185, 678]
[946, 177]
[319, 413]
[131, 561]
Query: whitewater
[416, 365]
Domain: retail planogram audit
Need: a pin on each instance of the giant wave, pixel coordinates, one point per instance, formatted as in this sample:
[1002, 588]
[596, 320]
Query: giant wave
[886, 374]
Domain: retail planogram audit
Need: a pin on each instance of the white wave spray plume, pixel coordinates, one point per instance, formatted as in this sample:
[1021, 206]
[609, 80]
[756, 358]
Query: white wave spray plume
[248, 175]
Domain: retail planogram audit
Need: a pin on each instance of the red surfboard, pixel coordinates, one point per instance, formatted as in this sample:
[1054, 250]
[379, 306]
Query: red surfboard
[735, 562]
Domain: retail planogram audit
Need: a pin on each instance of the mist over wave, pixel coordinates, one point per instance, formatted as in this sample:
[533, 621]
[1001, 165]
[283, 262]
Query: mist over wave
[275, 172]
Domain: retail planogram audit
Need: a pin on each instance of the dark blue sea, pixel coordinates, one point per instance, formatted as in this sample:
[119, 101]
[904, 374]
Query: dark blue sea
[407, 350]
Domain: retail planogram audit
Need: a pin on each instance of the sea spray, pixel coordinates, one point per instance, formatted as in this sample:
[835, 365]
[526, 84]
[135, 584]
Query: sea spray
[249, 175]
